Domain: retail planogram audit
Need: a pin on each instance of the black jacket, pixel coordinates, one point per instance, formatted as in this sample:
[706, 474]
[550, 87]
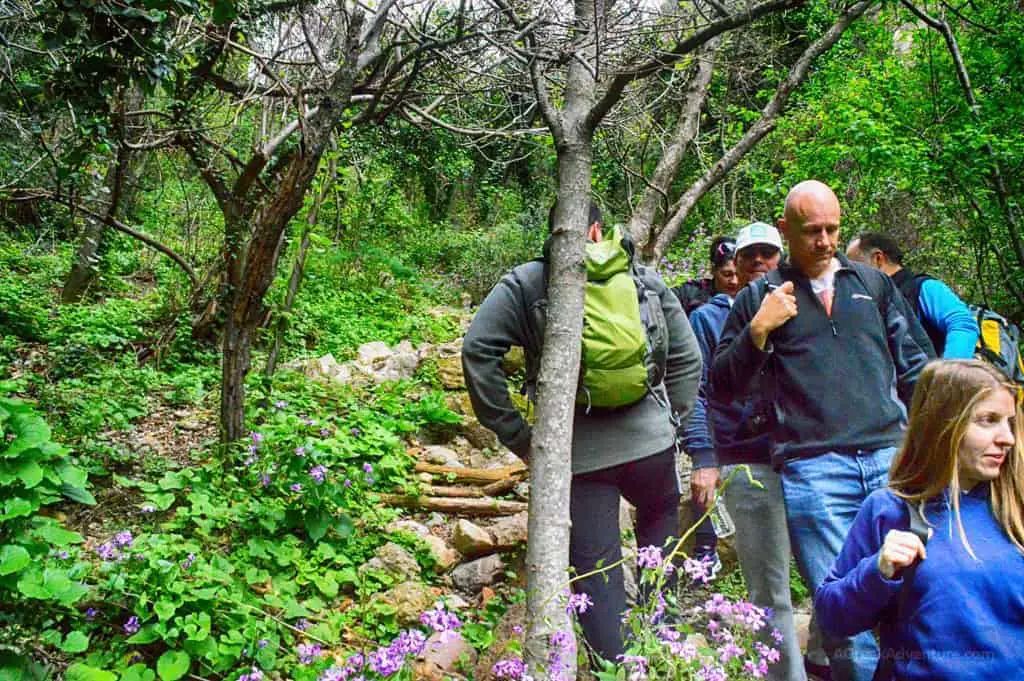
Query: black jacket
[837, 384]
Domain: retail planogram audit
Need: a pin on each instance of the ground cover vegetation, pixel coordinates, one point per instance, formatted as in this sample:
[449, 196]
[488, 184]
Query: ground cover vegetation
[167, 185]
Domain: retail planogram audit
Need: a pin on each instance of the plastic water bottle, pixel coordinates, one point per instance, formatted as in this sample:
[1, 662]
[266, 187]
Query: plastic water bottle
[721, 521]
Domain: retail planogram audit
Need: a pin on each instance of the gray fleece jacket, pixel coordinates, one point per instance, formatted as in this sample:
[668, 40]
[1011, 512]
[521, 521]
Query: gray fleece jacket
[602, 438]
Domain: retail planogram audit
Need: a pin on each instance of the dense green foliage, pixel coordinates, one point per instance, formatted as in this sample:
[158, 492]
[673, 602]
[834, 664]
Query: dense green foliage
[117, 563]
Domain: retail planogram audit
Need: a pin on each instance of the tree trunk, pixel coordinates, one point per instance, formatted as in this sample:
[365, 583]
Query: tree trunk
[87, 257]
[234, 368]
[298, 269]
[547, 552]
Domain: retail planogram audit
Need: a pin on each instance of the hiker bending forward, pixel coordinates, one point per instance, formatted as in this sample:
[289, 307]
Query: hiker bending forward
[626, 450]
[952, 606]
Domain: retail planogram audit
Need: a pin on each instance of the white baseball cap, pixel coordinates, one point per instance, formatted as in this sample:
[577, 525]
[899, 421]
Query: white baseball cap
[758, 233]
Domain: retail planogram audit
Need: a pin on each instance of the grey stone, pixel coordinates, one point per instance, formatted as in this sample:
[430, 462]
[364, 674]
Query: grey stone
[374, 354]
[472, 540]
[410, 526]
[440, 456]
[409, 599]
[473, 576]
[443, 651]
[392, 560]
[510, 531]
[445, 557]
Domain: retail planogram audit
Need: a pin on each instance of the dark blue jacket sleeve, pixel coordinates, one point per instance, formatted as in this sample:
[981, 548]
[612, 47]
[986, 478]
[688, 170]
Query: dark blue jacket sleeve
[940, 306]
[697, 441]
[855, 594]
[737, 360]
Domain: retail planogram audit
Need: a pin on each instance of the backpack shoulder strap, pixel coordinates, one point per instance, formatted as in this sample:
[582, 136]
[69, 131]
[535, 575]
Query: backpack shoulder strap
[918, 525]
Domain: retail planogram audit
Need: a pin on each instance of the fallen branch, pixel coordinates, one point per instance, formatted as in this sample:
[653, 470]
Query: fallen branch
[501, 486]
[486, 506]
[453, 491]
[473, 475]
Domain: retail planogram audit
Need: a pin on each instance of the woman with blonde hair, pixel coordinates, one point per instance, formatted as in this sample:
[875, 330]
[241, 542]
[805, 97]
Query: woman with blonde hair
[953, 610]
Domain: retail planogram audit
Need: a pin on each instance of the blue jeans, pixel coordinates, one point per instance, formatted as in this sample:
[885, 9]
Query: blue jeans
[823, 495]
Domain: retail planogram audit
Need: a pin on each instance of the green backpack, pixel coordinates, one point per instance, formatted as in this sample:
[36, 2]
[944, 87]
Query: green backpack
[625, 336]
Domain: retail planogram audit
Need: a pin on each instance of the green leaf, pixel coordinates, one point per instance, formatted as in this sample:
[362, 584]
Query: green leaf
[162, 500]
[13, 559]
[58, 536]
[30, 473]
[171, 481]
[81, 672]
[327, 584]
[79, 494]
[72, 475]
[173, 665]
[17, 507]
[138, 672]
[148, 634]
[76, 642]
[344, 526]
[317, 523]
[164, 610]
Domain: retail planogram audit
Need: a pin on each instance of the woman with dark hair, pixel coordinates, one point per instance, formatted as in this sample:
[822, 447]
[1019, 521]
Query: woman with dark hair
[956, 609]
[723, 279]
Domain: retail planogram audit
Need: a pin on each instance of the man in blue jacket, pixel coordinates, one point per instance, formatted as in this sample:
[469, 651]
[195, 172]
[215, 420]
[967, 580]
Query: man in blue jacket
[949, 324]
[831, 348]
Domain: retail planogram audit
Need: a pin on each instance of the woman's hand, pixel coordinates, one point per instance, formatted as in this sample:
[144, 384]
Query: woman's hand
[899, 551]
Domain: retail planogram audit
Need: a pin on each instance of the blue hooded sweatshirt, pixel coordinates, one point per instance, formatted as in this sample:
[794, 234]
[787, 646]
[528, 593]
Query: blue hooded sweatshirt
[719, 434]
[962, 619]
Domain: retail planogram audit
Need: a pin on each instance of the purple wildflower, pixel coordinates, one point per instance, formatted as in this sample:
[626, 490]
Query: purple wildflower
[649, 557]
[107, 551]
[300, 451]
[638, 665]
[440, 619]
[517, 630]
[712, 673]
[262, 643]
[187, 563]
[302, 624]
[63, 555]
[250, 461]
[264, 479]
[348, 483]
[297, 487]
[280, 404]
[367, 468]
[512, 668]
[123, 539]
[308, 652]
[578, 602]
[253, 449]
[132, 625]
[254, 674]
[318, 473]
[355, 432]
[90, 613]
[148, 508]
[777, 635]
[256, 437]
[325, 432]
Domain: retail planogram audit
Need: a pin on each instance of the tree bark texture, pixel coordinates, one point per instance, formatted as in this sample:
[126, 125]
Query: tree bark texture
[547, 553]
[87, 257]
[252, 264]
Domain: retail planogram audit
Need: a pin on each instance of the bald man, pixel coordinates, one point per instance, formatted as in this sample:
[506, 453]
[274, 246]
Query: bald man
[830, 338]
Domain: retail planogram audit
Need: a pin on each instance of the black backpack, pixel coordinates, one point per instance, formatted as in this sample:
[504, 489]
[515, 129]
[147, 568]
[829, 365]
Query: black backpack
[694, 293]
[999, 340]
[887, 658]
